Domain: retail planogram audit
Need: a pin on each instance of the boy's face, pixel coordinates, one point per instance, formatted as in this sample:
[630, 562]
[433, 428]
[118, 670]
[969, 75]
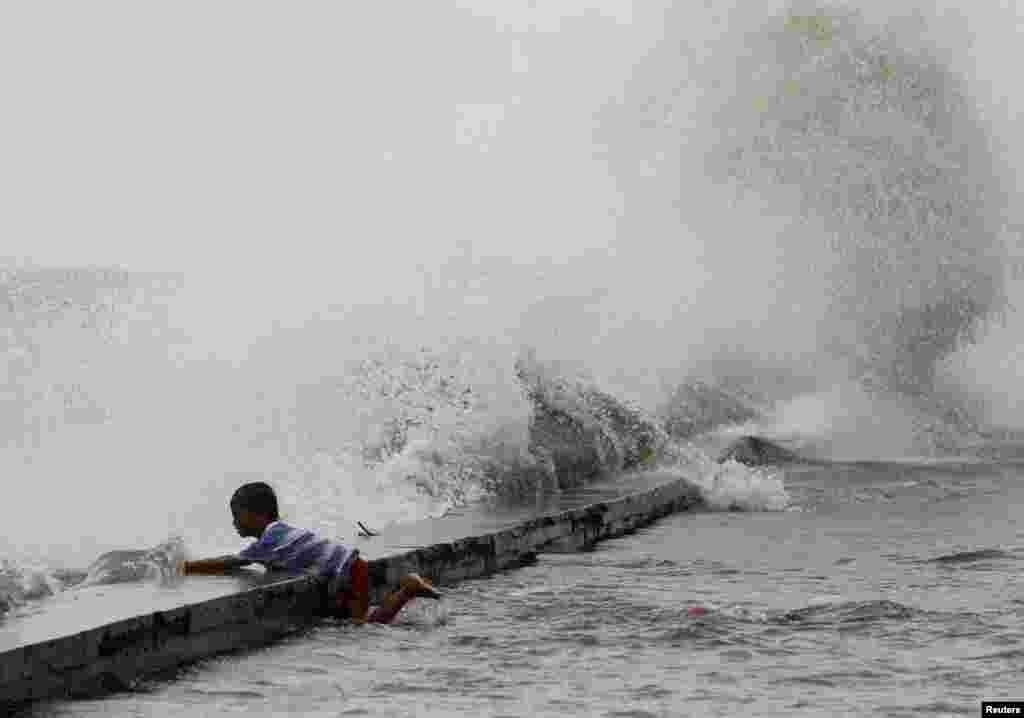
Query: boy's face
[248, 523]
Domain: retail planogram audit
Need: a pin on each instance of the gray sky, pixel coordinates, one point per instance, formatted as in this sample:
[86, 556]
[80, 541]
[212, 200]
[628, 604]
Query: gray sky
[253, 135]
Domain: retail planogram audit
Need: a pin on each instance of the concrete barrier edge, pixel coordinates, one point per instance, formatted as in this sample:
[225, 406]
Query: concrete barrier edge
[111, 657]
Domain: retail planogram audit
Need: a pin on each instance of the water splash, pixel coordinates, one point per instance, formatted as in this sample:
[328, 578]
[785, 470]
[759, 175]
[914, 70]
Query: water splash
[156, 564]
[561, 432]
[855, 172]
[21, 583]
[575, 433]
[880, 139]
[730, 485]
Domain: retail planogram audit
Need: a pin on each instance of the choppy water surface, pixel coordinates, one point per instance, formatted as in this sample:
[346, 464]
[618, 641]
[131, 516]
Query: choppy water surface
[883, 590]
[859, 159]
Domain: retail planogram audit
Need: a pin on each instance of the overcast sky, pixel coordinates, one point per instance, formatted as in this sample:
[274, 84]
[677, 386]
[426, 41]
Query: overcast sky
[270, 137]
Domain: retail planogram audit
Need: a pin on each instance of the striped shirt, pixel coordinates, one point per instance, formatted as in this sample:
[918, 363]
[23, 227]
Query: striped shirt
[283, 547]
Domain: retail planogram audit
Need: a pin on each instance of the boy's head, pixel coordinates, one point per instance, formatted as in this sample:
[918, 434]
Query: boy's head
[253, 506]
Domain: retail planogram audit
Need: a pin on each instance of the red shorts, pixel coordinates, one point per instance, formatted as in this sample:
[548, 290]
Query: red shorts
[359, 586]
[357, 591]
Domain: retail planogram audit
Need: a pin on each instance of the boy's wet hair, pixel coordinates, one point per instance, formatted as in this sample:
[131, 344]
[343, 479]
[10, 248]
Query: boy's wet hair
[257, 497]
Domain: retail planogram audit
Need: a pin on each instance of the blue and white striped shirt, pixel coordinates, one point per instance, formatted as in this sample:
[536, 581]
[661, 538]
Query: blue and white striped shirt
[283, 547]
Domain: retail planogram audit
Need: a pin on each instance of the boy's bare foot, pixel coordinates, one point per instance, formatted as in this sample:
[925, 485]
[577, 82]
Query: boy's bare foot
[418, 586]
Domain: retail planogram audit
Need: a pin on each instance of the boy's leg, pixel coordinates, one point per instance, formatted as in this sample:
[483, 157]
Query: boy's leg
[386, 612]
[409, 587]
[418, 586]
[359, 594]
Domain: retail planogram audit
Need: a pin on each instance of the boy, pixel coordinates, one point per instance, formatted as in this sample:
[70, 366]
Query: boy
[280, 546]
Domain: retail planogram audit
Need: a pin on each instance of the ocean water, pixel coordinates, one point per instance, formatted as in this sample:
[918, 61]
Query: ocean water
[801, 216]
[883, 589]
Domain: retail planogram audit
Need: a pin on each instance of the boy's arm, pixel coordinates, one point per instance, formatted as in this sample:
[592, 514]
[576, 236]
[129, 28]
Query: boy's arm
[212, 566]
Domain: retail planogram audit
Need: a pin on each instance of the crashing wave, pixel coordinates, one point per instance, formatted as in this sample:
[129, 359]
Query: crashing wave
[124, 566]
[19, 584]
[882, 141]
[755, 451]
[696, 407]
[729, 485]
[581, 432]
[575, 433]
[864, 135]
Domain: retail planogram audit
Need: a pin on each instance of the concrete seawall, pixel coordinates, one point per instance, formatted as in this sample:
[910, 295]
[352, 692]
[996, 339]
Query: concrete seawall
[67, 651]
